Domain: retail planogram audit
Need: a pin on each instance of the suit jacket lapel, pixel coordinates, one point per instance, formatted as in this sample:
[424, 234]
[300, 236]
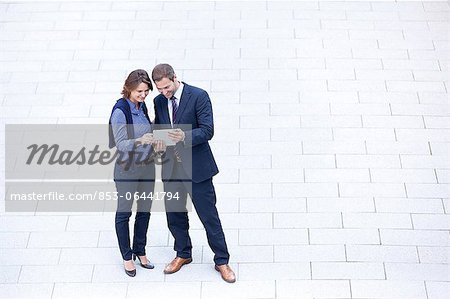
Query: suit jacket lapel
[183, 102]
[165, 110]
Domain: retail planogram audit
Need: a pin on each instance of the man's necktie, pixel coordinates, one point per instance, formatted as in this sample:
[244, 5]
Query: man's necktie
[174, 117]
[174, 109]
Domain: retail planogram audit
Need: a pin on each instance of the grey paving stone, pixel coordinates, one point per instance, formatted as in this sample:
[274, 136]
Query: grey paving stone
[331, 133]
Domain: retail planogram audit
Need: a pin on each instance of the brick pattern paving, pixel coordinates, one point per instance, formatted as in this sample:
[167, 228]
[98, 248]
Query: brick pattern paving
[332, 135]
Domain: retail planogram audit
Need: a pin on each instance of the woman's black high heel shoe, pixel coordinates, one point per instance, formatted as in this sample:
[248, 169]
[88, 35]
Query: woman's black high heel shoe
[146, 266]
[131, 273]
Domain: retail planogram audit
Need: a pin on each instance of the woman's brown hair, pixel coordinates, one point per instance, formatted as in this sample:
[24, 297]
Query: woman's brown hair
[135, 78]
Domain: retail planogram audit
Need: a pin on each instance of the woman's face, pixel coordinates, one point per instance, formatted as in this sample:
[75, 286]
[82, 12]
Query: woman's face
[139, 94]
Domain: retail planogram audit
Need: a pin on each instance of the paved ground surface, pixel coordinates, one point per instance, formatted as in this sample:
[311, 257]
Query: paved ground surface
[332, 129]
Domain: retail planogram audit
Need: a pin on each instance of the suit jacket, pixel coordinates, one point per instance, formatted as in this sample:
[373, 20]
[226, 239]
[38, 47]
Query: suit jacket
[194, 110]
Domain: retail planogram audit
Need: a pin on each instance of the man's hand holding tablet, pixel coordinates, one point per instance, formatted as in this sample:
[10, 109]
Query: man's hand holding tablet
[169, 136]
[177, 135]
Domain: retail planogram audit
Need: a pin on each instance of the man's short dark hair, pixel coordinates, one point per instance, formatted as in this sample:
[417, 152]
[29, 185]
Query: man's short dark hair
[161, 71]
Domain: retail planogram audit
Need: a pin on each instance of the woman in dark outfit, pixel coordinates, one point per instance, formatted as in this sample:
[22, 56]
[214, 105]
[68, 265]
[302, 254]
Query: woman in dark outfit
[134, 172]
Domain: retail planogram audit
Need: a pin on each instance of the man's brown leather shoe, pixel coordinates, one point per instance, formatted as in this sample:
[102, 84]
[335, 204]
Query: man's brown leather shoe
[176, 265]
[226, 273]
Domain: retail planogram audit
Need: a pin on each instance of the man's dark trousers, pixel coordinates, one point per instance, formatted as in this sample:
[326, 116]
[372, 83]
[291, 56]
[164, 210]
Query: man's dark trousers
[203, 197]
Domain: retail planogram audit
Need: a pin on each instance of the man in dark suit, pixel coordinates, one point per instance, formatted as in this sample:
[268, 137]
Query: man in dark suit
[189, 166]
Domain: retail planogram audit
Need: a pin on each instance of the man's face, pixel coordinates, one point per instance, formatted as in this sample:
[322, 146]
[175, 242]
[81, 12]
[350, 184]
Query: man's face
[167, 87]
